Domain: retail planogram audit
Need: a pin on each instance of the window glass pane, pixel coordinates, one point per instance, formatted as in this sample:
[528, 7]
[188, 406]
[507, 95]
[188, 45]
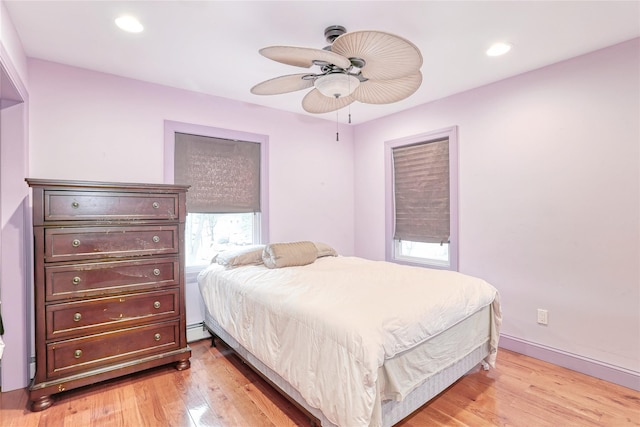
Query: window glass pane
[208, 234]
[426, 251]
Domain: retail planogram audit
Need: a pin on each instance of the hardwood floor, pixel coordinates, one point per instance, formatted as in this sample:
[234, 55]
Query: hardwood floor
[219, 390]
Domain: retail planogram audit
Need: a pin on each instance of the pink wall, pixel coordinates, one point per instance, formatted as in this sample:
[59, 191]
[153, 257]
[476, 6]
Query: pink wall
[93, 126]
[15, 231]
[12, 53]
[15, 243]
[549, 198]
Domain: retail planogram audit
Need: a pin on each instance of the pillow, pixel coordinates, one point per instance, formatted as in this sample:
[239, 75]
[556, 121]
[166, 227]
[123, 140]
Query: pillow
[324, 250]
[248, 255]
[277, 255]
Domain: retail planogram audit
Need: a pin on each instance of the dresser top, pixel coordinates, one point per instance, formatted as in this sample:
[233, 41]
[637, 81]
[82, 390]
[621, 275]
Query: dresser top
[59, 184]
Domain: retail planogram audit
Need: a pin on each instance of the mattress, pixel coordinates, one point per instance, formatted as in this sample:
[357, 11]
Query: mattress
[383, 328]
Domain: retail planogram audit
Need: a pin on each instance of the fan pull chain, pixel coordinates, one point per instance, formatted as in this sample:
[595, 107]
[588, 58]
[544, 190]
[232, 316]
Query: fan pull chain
[337, 130]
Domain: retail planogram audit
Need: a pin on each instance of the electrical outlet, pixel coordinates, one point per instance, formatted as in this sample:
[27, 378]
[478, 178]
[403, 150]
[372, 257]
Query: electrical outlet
[543, 316]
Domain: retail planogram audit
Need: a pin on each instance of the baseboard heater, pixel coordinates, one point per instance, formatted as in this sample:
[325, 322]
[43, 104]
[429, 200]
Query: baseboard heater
[197, 332]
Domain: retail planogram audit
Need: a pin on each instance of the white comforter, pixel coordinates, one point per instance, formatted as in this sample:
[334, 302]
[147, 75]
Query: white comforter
[327, 327]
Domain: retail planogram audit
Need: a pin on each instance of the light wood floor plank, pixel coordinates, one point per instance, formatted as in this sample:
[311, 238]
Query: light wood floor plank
[221, 391]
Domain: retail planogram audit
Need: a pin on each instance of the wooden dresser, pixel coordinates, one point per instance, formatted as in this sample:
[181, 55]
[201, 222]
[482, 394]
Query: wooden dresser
[109, 282]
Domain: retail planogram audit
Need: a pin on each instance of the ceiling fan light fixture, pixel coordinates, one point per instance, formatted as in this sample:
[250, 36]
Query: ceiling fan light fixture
[337, 85]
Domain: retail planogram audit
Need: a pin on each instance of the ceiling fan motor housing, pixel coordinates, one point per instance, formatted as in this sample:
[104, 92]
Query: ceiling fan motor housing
[333, 32]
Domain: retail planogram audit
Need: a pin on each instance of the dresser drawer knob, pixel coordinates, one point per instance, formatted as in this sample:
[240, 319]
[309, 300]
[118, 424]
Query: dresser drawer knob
[156, 337]
[77, 354]
[155, 205]
[156, 271]
[76, 280]
[77, 317]
[156, 304]
[75, 243]
[75, 205]
[156, 239]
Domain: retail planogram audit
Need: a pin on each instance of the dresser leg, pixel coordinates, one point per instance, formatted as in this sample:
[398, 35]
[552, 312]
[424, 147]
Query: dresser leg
[181, 365]
[41, 403]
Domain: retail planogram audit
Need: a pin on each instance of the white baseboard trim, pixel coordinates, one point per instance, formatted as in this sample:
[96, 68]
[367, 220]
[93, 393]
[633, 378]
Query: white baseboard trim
[594, 368]
[197, 332]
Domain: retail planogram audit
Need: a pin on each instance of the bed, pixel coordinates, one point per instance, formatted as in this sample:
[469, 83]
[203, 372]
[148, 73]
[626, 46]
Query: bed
[351, 341]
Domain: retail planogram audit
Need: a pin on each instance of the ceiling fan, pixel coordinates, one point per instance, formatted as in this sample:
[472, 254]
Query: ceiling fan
[372, 67]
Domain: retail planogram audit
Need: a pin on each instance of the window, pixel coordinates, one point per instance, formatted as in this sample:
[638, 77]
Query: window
[227, 174]
[421, 199]
[209, 233]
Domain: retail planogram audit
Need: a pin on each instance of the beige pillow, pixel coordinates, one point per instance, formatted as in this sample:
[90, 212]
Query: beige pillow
[325, 250]
[249, 255]
[277, 255]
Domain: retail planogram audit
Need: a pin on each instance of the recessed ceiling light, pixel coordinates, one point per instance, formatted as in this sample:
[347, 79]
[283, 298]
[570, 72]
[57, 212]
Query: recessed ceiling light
[129, 24]
[498, 49]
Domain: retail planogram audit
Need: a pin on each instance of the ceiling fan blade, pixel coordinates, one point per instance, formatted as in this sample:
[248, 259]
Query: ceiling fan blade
[387, 91]
[316, 103]
[282, 84]
[303, 56]
[386, 56]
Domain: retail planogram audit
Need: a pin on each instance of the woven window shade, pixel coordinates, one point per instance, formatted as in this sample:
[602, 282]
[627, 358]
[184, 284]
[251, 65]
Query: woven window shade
[224, 175]
[421, 182]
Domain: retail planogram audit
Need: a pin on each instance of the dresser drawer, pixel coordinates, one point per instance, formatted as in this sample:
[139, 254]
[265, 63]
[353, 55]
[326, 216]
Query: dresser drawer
[100, 314]
[95, 351]
[112, 206]
[104, 278]
[107, 242]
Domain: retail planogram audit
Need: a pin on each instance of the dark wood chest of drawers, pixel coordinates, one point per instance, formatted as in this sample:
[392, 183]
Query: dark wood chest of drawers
[109, 282]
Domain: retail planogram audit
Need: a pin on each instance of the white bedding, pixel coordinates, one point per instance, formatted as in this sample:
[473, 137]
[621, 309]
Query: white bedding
[328, 327]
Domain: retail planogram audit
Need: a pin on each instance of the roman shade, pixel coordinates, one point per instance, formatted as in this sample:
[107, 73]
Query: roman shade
[224, 175]
[421, 192]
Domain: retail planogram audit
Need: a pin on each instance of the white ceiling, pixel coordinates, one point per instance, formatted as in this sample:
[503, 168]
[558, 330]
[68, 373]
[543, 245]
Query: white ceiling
[212, 46]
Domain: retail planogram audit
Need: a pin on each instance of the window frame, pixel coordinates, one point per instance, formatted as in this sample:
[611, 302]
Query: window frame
[450, 133]
[170, 129]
